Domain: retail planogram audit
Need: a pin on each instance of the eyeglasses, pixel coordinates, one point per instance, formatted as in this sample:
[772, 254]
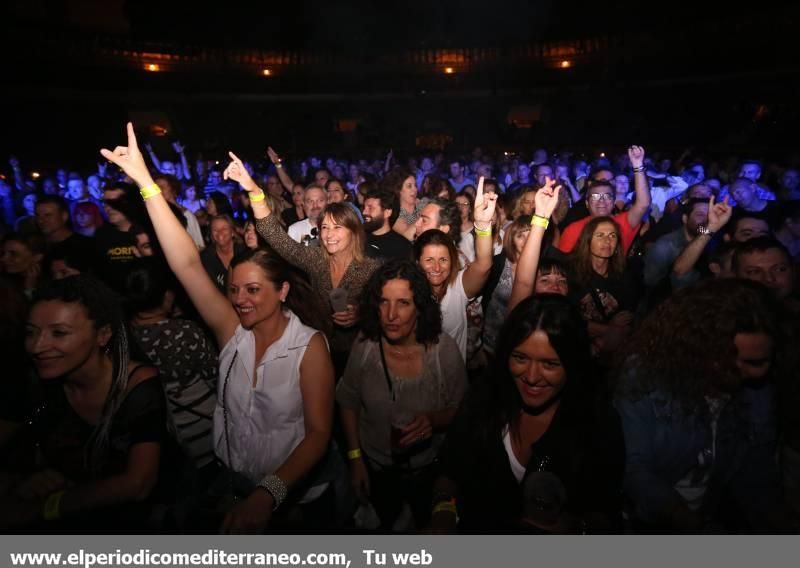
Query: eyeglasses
[601, 196]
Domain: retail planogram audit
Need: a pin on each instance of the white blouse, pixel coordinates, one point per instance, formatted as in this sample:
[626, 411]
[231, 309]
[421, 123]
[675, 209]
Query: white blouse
[266, 422]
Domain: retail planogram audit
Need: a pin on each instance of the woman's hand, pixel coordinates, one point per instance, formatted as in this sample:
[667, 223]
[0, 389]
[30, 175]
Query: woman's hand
[346, 318]
[417, 430]
[238, 173]
[483, 211]
[40, 485]
[130, 160]
[359, 479]
[250, 516]
[546, 198]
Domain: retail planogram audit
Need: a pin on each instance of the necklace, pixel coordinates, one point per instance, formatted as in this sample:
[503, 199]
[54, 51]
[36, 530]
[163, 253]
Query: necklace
[409, 218]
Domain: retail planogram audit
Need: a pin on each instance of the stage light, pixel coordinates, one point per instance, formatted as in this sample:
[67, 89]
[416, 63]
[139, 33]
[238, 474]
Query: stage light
[35, 175]
[449, 70]
[266, 72]
[565, 64]
[152, 67]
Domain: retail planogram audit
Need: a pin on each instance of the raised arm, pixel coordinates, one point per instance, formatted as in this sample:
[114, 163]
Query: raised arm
[718, 215]
[267, 224]
[180, 250]
[180, 149]
[528, 262]
[152, 154]
[640, 184]
[286, 180]
[476, 275]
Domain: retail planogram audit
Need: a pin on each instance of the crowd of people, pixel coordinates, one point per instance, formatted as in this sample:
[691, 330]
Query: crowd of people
[523, 343]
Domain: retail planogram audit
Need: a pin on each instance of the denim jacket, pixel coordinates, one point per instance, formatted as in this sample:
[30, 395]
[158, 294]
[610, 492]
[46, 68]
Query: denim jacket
[663, 442]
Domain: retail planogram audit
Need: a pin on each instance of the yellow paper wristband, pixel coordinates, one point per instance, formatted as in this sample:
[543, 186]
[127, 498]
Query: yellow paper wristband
[539, 221]
[149, 191]
[445, 506]
[52, 506]
[257, 196]
[483, 232]
[354, 454]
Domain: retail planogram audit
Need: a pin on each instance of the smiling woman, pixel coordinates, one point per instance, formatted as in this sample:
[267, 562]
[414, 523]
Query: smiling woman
[272, 423]
[533, 433]
[103, 434]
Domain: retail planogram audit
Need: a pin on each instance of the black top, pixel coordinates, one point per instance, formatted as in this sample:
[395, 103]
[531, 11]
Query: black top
[289, 216]
[388, 246]
[602, 298]
[583, 448]
[215, 268]
[115, 255]
[63, 439]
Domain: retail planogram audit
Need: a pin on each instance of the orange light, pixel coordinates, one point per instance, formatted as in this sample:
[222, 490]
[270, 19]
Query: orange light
[565, 64]
[449, 70]
[35, 175]
[152, 67]
[266, 72]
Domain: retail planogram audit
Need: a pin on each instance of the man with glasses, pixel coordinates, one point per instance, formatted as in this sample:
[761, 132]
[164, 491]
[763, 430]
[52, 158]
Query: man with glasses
[600, 202]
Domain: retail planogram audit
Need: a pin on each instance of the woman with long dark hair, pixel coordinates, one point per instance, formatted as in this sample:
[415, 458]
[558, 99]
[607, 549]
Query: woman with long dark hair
[604, 292]
[530, 449]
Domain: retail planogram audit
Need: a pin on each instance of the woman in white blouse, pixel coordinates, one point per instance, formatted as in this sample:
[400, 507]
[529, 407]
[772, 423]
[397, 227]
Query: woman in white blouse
[272, 424]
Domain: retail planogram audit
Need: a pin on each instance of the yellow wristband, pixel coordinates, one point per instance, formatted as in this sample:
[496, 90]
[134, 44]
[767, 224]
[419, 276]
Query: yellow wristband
[483, 232]
[257, 196]
[354, 454]
[446, 506]
[52, 506]
[539, 221]
[149, 191]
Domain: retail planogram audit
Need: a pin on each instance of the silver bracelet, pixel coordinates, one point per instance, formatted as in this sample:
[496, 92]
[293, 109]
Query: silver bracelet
[275, 486]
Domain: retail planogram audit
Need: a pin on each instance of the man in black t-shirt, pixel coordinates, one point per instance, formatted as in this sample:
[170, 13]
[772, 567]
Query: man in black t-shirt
[116, 241]
[380, 212]
[52, 219]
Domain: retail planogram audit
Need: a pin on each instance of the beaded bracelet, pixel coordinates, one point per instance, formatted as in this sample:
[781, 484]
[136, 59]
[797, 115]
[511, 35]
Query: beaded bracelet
[149, 191]
[275, 486]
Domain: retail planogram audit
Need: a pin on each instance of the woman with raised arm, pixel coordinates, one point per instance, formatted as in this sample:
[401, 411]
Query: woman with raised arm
[454, 287]
[526, 274]
[272, 423]
[338, 268]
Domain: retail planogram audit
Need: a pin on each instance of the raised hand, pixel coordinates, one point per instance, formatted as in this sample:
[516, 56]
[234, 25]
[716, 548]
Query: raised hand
[102, 168]
[636, 156]
[483, 211]
[546, 198]
[718, 214]
[237, 171]
[130, 160]
[178, 147]
[13, 162]
[273, 156]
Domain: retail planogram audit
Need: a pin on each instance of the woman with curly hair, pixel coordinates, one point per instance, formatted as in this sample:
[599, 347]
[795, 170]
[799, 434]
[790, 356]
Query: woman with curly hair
[403, 382]
[697, 412]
